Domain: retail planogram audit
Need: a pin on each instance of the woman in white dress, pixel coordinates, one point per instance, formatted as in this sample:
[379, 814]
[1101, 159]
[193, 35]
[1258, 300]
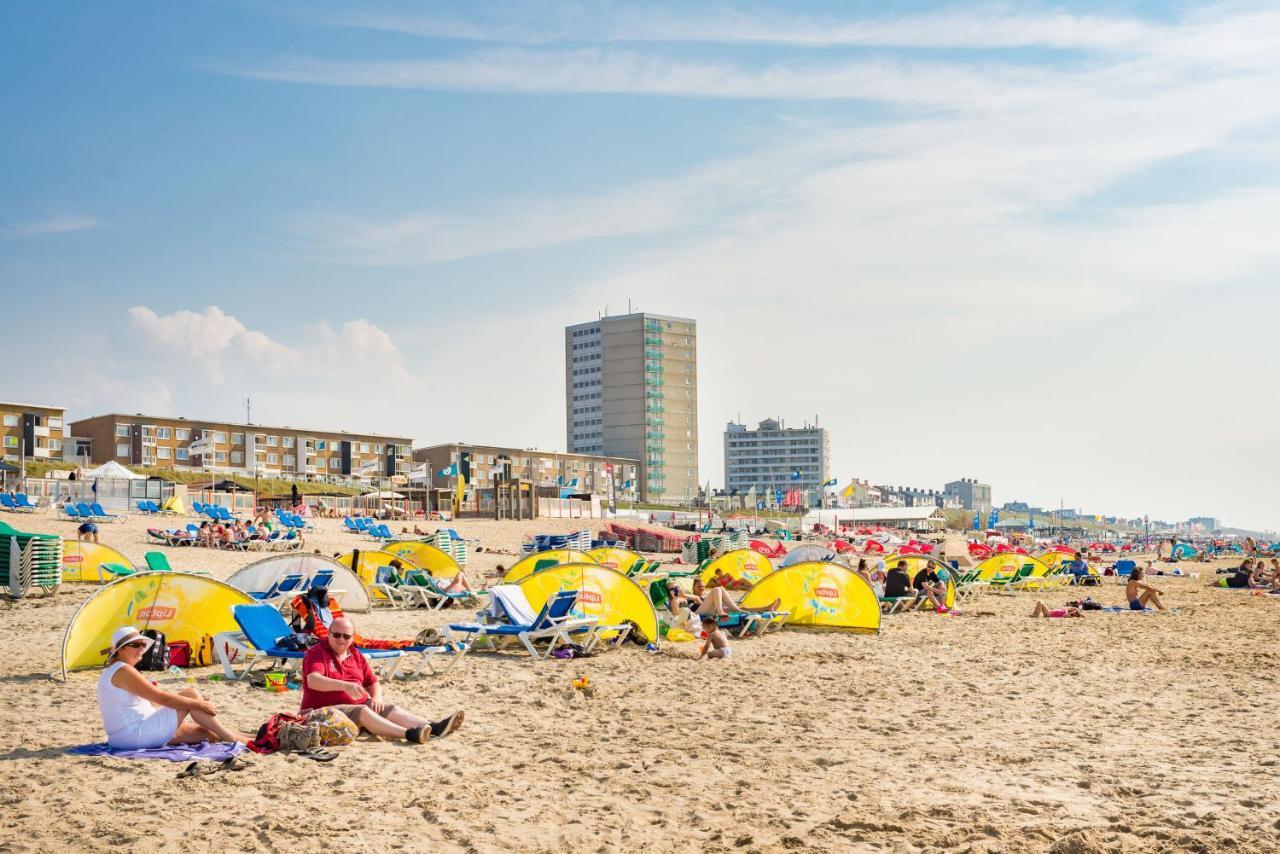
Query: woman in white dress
[139, 715]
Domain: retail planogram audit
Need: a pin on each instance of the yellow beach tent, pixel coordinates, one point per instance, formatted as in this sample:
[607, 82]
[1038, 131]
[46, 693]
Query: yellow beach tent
[174, 504]
[1010, 563]
[819, 593]
[184, 607]
[82, 561]
[530, 564]
[615, 558]
[369, 564]
[603, 593]
[424, 556]
[747, 564]
[915, 563]
[1053, 557]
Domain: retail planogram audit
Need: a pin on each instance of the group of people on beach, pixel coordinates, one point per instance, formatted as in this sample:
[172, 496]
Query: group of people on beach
[1253, 574]
[927, 587]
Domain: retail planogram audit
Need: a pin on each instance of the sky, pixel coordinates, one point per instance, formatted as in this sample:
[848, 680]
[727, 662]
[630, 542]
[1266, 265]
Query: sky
[1032, 244]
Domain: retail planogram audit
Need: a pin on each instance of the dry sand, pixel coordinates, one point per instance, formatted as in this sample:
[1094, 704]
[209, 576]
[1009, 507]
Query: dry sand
[983, 732]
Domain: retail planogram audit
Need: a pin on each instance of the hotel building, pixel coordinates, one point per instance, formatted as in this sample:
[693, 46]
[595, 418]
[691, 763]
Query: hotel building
[773, 457]
[289, 452]
[31, 432]
[631, 390]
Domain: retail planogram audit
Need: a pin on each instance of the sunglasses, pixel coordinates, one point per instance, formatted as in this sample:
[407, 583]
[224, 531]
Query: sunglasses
[340, 636]
[135, 644]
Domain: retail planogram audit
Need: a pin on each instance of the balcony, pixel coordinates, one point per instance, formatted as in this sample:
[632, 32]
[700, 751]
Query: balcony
[653, 354]
[653, 340]
[653, 326]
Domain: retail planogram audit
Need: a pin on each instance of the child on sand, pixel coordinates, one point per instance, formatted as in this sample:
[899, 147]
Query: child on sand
[717, 645]
[1043, 610]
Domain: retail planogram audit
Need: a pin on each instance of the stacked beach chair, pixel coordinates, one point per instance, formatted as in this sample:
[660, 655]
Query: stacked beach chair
[29, 561]
[449, 544]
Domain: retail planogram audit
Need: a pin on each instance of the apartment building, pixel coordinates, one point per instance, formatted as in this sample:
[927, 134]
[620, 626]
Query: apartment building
[181, 443]
[579, 473]
[971, 494]
[631, 391]
[775, 457]
[31, 432]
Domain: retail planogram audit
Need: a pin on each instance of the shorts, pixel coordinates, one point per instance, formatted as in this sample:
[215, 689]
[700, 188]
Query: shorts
[352, 710]
[88, 528]
[1135, 605]
[155, 730]
[726, 652]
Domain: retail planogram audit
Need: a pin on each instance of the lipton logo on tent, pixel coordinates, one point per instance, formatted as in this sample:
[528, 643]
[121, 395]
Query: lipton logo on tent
[157, 613]
[827, 592]
[589, 597]
[72, 559]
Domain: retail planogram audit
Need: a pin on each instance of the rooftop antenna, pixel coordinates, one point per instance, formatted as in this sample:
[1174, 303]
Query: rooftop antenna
[628, 305]
[247, 418]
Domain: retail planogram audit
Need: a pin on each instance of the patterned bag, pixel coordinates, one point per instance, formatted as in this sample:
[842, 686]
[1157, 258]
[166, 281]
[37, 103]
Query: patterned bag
[334, 729]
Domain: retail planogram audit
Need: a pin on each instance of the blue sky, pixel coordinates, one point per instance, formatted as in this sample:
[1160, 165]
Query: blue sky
[1032, 244]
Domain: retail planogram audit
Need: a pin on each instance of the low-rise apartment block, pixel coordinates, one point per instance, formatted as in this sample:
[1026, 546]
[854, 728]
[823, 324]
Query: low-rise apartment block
[31, 432]
[289, 452]
[577, 473]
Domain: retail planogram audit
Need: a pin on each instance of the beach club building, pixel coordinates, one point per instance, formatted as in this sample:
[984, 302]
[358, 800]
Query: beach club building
[31, 431]
[553, 472]
[288, 452]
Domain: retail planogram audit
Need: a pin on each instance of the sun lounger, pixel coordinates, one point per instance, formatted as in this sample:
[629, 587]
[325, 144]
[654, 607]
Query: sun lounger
[7, 503]
[552, 624]
[99, 513]
[284, 588]
[260, 627]
[116, 570]
[753, 623]
[427, 591]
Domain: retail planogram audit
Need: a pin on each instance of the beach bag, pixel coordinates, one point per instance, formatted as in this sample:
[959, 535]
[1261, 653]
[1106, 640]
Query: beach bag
[157, 655]
[333, 727]
[430, 636]
[179, 654]
[203, 655]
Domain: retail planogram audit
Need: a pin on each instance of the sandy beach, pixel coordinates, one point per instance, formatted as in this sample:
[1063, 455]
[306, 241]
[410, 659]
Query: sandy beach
[987, 731]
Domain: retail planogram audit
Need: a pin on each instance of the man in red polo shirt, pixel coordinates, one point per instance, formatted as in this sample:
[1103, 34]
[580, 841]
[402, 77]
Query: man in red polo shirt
[335, 673]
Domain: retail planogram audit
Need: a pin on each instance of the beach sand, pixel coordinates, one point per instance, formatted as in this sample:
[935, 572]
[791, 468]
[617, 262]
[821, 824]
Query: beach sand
[983, 732]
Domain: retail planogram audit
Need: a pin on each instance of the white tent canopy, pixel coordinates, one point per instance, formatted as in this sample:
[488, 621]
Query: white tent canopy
[259, 577]
[112, 470]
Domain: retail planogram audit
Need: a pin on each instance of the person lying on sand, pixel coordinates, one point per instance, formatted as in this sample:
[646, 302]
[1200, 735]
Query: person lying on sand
[138, 715]
[728, 582]
[1139, 593]
[1043, 610]
[717, 643]
[335, 674]
[1244, 578]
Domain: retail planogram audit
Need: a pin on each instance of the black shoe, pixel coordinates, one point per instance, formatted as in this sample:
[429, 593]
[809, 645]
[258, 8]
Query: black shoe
[417, 735]
[447, 726]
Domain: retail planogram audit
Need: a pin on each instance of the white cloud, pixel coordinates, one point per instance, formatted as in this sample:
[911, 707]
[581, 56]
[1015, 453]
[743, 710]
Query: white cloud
[60, 224]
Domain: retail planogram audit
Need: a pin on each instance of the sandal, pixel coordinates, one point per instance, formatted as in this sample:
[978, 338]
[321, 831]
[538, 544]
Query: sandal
[197, 769]
[235, 763]
[317, 754]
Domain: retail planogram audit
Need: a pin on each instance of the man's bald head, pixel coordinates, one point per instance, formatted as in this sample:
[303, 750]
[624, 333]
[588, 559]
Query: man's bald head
[341, 626]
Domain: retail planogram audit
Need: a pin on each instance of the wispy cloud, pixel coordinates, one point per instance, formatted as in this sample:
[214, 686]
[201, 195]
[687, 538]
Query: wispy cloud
[983, 27]
[60, 224]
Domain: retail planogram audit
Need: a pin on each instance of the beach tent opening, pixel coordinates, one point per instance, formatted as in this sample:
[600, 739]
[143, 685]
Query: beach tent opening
[183, 607]
[819, 593]
[603, 593]
[746, 564]
[366, 564]
[807, 553]
[1010, 563]
[83, 561]
[1184, 551]
[917, 562]
[438, 563]
[615, 558]
[1053, 557]
[530, 564]
[259, 577]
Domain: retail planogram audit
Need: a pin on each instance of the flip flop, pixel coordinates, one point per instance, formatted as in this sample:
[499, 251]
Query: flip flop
[197, 769]
[317, 754]
[235, 763]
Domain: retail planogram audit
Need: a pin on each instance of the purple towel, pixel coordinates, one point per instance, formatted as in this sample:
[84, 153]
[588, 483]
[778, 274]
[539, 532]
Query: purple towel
[215, 751]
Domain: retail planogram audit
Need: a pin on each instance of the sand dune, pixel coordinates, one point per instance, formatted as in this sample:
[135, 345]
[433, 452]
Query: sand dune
[982, 732]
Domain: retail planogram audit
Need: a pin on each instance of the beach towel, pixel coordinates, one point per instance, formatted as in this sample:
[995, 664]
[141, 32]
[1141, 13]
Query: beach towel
[213, 751]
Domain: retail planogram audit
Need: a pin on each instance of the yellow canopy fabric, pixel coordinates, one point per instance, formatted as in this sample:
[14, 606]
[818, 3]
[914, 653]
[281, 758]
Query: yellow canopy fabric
[746, 564]
[603, 593]
[82, 561]
[1009, 563]
[184, 607]
[526, 565]
[174, 504]
[615, 558]
[1053, 557]
[819, 593]
[915, 563]
[370, 563]
[423, 556]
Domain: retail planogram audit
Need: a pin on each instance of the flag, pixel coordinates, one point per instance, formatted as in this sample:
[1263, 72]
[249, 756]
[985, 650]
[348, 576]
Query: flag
[977, 522]
[463, 471]
[795, 475]
[1031, 521]
[849, 490]
[995, 517]
[449, 471]
[750, 500]
[831, 482]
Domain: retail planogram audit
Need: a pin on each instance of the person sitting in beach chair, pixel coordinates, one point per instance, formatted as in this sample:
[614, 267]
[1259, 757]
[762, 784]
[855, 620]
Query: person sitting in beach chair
[929, 587]
[897, 583]
[1139, 593]
[337, 675]
[1043, 610]
[138, 715]
[717, 643]
[728, 582]
[716, 602]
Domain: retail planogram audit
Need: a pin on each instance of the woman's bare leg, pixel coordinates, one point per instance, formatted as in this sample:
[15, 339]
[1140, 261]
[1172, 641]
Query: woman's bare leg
[208, 723]
[1041, 609]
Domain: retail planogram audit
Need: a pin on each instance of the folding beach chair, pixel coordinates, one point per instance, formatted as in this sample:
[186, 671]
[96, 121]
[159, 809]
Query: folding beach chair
[7, 503]
[552, 624]
[261, 626]
[428, 591]
[25, 503]
[97, 511]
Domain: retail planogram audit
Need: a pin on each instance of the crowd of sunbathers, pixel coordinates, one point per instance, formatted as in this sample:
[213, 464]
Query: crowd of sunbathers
[927, 587]
[236, 534]
[1252, 574]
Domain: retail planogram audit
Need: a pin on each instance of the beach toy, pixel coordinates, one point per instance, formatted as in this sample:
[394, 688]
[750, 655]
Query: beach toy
[277, 682]
[678, 635]
[582, 683]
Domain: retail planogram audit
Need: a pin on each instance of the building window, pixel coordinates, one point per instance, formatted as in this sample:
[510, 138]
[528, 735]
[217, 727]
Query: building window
[12, 421]
[12, 442]
[288, 441]
[55, 445]
[273, 459]
[163, 433]
[219, 437]
[183, 454]
[237, 438]
[182, 434]
[319, 444]
[289, 460]
[163, 453]
[122, 451]
[55, 424]
[334, 462]
[122, 430]
[364, 447]
[220, 456]
[237, 457]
